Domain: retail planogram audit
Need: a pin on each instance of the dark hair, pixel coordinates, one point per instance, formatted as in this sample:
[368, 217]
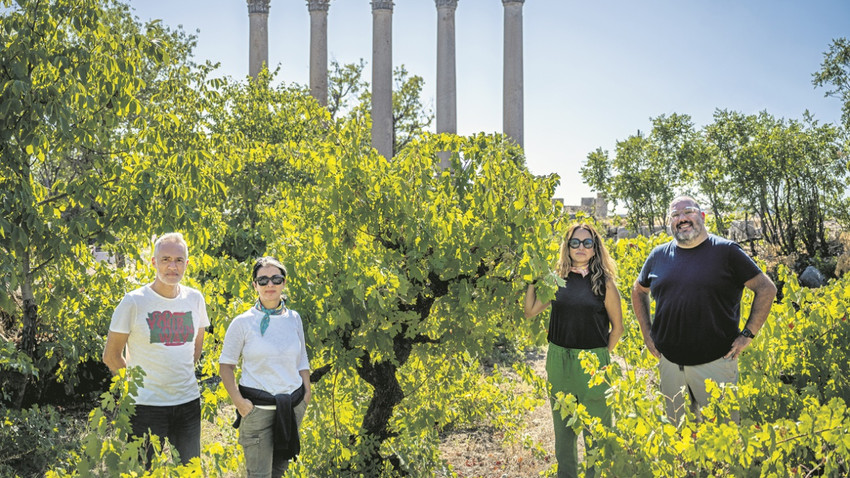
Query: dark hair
[267, 261]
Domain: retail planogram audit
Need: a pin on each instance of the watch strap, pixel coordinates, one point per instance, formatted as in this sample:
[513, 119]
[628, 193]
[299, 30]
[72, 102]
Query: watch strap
[747, 333]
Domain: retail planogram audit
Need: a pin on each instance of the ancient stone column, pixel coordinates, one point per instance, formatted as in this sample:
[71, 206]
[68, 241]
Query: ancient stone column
[512, 102]
[319, 50]
[382, 77]
[446, 72]
[258, 36]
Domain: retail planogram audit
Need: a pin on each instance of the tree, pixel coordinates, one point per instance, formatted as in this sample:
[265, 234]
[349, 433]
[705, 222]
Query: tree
[264, 124]
[643, 174]
[835, 73]
[717, 152]
[410, 118]
[101, 140]
[345, 87]
[596, 173]
[399, 261]
[789, 173]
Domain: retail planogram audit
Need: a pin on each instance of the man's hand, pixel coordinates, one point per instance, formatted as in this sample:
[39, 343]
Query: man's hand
[640, 304]
[650, 345]
[738, 346]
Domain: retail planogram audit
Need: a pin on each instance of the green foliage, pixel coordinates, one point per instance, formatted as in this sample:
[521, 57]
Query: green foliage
[410, 120]
[346, 89]
[792, 398]
[394, 261]
[791, 175]
[803, 354]
[102, 142]
[15, 361]
[406, 275]
[348, 93]
[106, 446]
[645, 171]
[264, 125]
[34, 439]
[835, 73]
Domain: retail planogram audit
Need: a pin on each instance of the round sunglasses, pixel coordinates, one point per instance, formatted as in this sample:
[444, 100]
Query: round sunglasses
[574, 243]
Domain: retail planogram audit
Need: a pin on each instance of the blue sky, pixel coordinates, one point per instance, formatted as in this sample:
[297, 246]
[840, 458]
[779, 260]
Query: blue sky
[595, 71]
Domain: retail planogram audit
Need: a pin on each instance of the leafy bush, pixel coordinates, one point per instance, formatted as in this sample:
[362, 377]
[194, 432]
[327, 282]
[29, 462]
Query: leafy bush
[34, 439]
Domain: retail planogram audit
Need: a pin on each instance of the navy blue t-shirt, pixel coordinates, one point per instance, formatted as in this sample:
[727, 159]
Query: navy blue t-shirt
[697, 296]
[578, 319]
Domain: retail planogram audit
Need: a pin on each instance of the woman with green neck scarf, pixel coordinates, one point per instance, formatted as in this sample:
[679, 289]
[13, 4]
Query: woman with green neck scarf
[274, 387]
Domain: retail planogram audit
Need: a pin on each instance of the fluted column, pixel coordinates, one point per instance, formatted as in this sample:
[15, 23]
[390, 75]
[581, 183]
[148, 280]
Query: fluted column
[258, 36]
[512, 100]
[382, 77]
[319, 49]
[446, 72]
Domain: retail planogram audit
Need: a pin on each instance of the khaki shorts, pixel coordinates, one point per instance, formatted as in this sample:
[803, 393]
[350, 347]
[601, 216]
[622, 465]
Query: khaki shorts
[679, 380]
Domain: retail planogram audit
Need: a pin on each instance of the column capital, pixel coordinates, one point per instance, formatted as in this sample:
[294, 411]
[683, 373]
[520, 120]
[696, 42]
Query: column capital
[508, 2]
[446, 3]
[258, 6]
[382, 5]
[318, 5]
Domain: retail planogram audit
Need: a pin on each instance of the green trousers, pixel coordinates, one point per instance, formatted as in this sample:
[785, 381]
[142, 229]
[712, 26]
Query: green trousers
[565, 374]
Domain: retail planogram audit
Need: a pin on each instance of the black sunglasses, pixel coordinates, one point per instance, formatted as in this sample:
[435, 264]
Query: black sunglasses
[276, 279]
[574, 243]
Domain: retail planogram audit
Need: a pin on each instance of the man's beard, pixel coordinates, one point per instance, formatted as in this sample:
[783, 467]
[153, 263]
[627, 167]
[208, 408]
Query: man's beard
[689, 235]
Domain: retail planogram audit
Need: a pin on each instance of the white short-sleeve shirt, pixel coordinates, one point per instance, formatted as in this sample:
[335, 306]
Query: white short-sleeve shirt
[162, 342]
[270, 361]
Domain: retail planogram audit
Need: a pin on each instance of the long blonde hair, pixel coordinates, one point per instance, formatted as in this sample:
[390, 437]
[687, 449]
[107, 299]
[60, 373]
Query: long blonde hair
[602, 268]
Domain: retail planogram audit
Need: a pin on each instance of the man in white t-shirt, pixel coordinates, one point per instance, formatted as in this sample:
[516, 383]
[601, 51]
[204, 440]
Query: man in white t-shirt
[160, 328]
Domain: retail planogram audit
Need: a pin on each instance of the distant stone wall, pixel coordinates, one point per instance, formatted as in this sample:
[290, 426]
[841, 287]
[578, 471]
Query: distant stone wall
[596, 207]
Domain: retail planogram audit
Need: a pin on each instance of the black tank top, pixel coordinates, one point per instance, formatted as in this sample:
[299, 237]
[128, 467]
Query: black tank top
[578, 319]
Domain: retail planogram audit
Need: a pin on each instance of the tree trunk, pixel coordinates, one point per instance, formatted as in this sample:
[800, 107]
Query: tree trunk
[386, 394]
[27, 344]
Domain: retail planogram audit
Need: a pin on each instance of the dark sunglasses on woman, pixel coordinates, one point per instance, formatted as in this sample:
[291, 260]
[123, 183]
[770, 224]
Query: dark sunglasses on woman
[574, 243]
[276, 279]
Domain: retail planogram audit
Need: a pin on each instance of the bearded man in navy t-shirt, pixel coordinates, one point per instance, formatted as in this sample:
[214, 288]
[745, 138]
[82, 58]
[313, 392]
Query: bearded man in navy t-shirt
[697, 281]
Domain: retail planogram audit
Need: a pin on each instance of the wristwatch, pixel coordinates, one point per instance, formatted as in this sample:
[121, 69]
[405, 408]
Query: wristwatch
[747, 333]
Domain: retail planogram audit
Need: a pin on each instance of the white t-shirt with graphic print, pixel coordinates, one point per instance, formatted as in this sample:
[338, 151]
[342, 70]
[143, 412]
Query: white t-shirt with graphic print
[162, 342]
[270, 361]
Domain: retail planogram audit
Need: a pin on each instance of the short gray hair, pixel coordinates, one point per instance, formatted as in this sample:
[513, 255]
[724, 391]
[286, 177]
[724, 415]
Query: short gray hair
[171, 237]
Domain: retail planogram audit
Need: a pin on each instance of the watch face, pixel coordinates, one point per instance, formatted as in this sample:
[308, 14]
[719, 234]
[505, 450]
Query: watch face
[746, 333]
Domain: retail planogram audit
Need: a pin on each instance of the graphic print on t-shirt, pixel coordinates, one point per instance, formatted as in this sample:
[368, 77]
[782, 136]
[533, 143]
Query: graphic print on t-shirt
[171, 328]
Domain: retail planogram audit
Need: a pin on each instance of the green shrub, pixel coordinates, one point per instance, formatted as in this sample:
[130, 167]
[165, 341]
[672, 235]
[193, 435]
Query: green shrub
[35, 438]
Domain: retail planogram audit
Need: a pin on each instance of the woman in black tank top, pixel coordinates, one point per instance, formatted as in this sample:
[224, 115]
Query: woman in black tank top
[586, 314]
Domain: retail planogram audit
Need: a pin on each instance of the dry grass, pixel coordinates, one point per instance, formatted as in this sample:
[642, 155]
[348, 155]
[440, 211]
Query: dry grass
[482, 451]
